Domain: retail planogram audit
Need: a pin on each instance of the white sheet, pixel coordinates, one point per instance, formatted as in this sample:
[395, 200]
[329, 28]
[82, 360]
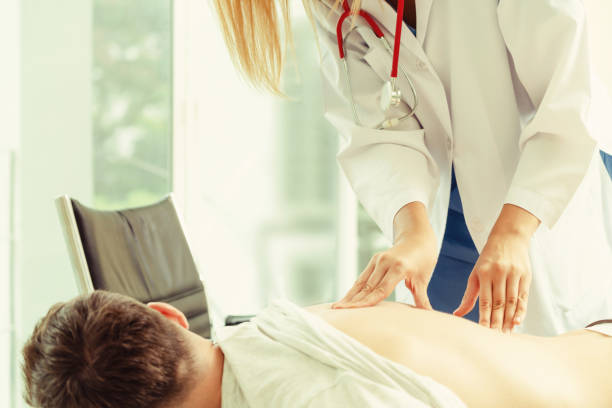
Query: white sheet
[288, 357]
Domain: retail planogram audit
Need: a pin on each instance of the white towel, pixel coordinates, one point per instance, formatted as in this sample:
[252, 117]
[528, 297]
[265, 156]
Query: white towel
[288, 357]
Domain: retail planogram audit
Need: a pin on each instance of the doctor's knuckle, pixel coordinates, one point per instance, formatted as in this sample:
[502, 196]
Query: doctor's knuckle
[360, 283]
[515, 272]
[399, 266]
[523, 296]
[501, 266]
[367, 287]
[383, 257]
[379, 291]
[486, 272]
[485, 304]
[399, 263]
[499, 304]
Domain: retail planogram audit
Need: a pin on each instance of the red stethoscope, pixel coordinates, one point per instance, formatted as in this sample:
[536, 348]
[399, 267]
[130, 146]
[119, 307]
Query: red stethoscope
[390, 95]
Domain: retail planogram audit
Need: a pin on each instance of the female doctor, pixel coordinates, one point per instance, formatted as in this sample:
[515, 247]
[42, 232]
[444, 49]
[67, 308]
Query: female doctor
[491, 185]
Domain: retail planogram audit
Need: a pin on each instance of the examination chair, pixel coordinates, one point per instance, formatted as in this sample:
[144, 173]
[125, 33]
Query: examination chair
[141, 252]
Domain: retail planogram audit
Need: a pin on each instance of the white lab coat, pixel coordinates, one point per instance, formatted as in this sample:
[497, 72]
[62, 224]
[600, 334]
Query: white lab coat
[506, 92]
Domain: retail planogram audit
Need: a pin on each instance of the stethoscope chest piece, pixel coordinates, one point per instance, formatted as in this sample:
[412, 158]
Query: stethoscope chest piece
[390, 96]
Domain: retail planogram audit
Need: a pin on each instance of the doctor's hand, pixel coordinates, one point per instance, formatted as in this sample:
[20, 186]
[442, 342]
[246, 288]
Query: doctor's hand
[412, 258]
[501, 277]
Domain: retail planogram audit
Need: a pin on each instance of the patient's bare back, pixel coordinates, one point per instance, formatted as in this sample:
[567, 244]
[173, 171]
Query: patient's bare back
[481, 365]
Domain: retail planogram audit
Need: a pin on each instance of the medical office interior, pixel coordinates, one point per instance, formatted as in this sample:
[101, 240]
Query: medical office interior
[120, 103]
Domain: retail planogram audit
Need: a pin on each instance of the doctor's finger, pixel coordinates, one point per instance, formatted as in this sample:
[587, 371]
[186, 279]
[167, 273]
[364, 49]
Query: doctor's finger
[359, 284]
[380, 270]
[421, 300]
[484, 303]
[469, 297]
[498, 304]
[380, 292]
[512, 289]
[521, 306]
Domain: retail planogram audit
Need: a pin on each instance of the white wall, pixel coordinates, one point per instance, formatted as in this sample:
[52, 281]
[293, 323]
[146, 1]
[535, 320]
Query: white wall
[599, 17]
[9, 132]
[6, 317]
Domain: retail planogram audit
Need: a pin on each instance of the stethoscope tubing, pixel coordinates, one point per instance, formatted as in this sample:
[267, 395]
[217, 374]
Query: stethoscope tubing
[387, 123]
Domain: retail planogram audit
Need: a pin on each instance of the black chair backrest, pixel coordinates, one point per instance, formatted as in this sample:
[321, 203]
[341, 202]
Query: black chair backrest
[142, 252]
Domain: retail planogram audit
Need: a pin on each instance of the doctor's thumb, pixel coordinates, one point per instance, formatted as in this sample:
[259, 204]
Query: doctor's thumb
[468, 301]
[421, 300]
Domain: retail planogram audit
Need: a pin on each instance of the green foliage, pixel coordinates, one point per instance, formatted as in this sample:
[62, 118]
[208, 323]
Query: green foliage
[132, 101]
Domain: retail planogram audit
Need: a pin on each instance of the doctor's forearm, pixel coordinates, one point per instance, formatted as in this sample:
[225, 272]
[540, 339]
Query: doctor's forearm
[411, 219]
[516, 221]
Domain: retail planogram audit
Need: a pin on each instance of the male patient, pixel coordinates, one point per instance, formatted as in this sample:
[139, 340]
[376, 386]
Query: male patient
[107, 350]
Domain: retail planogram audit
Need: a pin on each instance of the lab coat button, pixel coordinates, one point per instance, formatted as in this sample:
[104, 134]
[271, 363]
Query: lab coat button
[449, 144]
[421, 65]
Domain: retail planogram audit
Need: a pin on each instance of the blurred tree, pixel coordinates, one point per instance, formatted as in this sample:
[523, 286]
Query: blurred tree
[132, 101]
[307, 142]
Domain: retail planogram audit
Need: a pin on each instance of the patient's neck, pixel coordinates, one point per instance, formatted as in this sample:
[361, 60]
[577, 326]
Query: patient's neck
[207, 375]
[214, 376]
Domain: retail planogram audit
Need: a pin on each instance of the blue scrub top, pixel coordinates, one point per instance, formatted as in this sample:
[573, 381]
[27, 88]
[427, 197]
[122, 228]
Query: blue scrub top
[607, 159]
[456, 261]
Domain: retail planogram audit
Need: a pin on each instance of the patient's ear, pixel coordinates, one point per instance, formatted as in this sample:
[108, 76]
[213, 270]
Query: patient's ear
[170, 312]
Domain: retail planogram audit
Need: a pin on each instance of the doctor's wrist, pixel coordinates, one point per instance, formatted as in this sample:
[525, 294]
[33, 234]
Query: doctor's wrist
[516, 222]
[411, 220]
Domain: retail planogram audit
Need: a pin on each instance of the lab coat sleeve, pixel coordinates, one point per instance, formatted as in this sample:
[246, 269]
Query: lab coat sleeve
[386, 168]
[547, 41]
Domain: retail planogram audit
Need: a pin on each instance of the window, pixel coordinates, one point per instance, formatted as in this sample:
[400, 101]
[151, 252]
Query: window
[132, 102]
[267, 210]
[261, 191]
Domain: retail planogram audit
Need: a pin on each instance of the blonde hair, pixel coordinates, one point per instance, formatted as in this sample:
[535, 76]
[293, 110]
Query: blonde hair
[257, 34]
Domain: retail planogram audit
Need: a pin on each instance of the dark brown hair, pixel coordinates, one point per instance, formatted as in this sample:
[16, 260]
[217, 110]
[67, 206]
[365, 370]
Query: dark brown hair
[105, 350]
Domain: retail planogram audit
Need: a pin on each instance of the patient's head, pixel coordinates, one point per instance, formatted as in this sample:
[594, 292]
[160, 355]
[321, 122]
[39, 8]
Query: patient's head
[108, 350]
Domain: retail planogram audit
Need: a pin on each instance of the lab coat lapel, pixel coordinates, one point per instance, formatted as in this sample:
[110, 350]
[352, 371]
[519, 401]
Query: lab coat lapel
[429, 87]
[423, 10]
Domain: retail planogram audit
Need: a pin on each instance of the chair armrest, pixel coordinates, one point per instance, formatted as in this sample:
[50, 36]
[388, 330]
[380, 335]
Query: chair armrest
[233, 320]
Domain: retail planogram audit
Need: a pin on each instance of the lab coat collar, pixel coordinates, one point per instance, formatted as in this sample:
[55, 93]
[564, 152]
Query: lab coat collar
[385, 15]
